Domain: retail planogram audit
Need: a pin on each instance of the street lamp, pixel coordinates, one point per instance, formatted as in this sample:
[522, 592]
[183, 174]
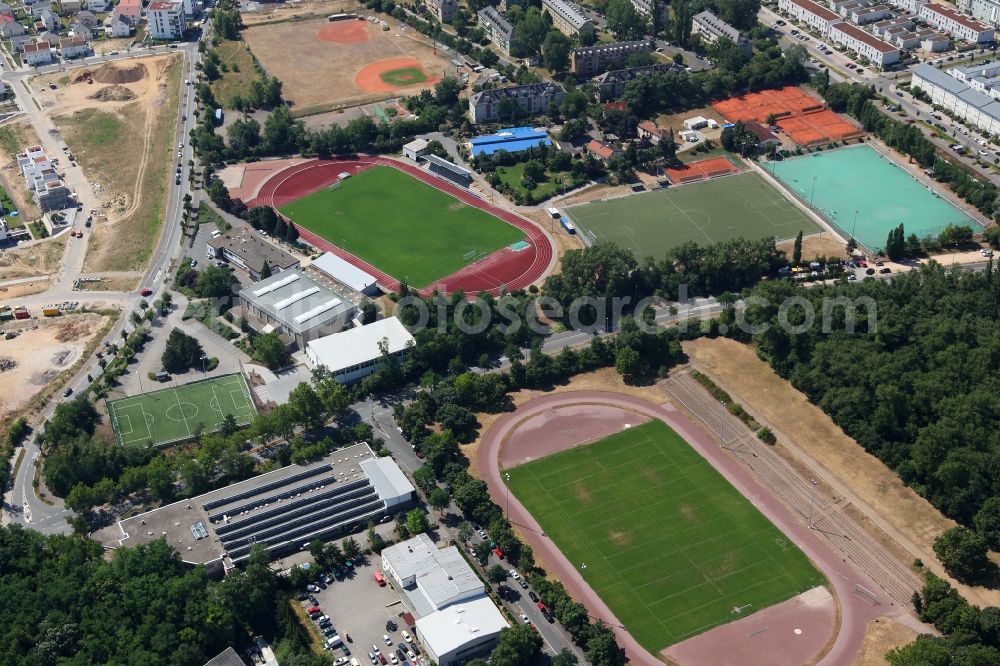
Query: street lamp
[813, 191]
[854, 226]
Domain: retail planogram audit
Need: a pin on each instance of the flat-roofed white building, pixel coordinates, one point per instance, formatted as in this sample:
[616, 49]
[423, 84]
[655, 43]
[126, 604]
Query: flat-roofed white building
[354, 354]
[987, 11]
[972, 106]
[958, 24]
[456, 620]
[346, 273]
[864, 44]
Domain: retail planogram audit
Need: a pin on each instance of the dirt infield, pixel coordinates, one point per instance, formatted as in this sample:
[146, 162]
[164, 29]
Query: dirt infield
[818, 127]
[759, 106]
[504, 268]
[344, 32]
[701, 170]
[320, 63]
[551, 423]
[385, 75]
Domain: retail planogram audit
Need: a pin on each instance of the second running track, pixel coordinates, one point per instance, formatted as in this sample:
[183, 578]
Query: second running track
[504, 268]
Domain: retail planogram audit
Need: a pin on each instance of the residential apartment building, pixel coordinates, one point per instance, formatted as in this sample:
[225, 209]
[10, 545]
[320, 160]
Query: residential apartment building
[531, 99]
[868, 14]
[864, 44]
[987, 11]
[645, 7]
[118, 27]
[41, 178]
[912, 6]
[612, 84]
[77, 29]
[442, 9]
[592, 60]
[984, 77]
[814, 15]
[498, 29]
[711, 29]
[39, 53]
[956, 96]
[166, 19]
[128, 10]
[958, 24]
[10, 27]
[567, 19]
[73, 47]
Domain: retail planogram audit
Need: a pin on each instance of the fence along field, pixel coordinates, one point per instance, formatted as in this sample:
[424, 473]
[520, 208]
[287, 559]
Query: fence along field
[660, 535]
[178, 413]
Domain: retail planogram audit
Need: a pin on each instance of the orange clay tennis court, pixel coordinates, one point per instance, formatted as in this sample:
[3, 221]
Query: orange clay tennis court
[818, 127]
[761, 105]
[701, 170]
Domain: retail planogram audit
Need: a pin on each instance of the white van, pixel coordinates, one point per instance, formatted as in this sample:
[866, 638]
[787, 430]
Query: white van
[333, 641]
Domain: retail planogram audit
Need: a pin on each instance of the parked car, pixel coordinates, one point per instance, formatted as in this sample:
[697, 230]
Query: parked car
[406, 636]
[390, 625]
[514, 574]
[524, 618]
[885, 270]
[68, 392]
[498, 552]
[385, 637]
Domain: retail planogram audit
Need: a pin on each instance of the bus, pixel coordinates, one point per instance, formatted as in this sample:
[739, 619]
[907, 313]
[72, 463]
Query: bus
[342, 17]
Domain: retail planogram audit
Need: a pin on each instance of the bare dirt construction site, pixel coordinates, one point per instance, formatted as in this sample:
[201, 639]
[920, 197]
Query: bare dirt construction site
[40, 351]
[327, 65]
[894, 513]
[119, 119]
[38, 259]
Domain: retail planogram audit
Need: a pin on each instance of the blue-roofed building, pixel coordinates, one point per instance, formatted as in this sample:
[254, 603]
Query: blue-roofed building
[512, 139]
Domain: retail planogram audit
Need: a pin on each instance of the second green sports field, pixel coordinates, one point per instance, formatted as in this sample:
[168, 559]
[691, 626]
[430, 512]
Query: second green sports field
[650, 224]
[410, 230]
[178, 413]
[660, 535]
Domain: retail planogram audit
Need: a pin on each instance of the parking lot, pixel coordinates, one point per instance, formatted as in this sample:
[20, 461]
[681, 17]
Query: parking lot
[359, 608]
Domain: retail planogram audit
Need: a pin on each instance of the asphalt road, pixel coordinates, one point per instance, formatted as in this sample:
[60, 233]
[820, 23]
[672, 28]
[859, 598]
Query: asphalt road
[23, 505]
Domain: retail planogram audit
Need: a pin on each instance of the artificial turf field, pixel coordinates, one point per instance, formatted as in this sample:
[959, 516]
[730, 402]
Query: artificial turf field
[662, 537]
[410, 230]
[649, 224]
[176, 413]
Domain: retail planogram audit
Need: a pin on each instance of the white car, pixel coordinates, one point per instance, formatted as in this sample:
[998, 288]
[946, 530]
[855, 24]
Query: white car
[406, 636]
[180, 154]
[392, 658]
[514, 574]
[385, 637]
[524, 618]
[339, 660]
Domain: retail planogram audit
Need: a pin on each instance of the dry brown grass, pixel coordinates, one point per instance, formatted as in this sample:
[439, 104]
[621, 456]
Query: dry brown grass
[39, 259]
[126, 149]
[318, 75]
[816, 245]
[234, 54]
[112, 284]
[905, 516]
[24, 289]
[883, 635]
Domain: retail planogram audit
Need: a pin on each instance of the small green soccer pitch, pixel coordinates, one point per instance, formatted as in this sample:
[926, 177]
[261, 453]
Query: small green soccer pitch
[406, 228]
[178, 413]
[651, 223]
[660, 535]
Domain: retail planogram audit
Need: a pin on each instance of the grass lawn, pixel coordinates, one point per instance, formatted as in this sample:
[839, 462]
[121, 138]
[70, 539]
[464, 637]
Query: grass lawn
[400, 225]
[668, 544]
[651, 223]
[405, 76]
[233, 54]
[207, 215]
[512, 176]
[177, 413]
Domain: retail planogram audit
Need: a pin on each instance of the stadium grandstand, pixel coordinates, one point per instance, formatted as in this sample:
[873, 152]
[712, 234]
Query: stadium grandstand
[283, 510]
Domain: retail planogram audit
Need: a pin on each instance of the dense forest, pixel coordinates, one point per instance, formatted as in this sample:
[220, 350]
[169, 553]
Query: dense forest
[917, 388]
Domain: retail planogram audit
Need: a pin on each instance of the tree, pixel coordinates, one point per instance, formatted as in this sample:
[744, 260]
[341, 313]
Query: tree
[465, 530]
[182, 352]
[602, 649]
[215, 282]
[351, 548]
[496, 574]
[624, 21]
[556, 50]
[481, 550]
[265, 271]
[987, 522]
[797, 250]
[962, 553]
[519, 645]
[269, 350]
[308, 407]
[439, 499]
[565, 658]
[459, 420]
[416, 521]
[627, 363]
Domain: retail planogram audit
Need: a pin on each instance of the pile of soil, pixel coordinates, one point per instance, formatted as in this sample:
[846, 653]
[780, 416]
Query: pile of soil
[72, 331]
[113, 93]
[108, 73]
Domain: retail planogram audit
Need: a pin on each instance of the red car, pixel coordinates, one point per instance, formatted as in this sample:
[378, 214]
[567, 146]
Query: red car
[313, 609]
[541, 606]
[498, 552]
[145, 291]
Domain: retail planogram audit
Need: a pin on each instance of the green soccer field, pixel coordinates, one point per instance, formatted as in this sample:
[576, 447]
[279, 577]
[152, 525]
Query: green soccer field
[177, 413]
[662, 537]
[410, 230]
[649, 224]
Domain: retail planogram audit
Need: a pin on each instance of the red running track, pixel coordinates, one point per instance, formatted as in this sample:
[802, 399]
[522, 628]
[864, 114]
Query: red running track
[513, 270]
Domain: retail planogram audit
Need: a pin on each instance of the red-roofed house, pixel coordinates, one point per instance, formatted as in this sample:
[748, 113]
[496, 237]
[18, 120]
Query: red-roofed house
[765, 138]
[600, 150]
[9, 27]
[650, 131]
[129, 10]
[39, 53]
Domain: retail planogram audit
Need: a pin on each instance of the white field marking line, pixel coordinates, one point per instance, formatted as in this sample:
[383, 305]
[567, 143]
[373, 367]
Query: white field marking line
[178, 399]
[119, 421]
[148, 420]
